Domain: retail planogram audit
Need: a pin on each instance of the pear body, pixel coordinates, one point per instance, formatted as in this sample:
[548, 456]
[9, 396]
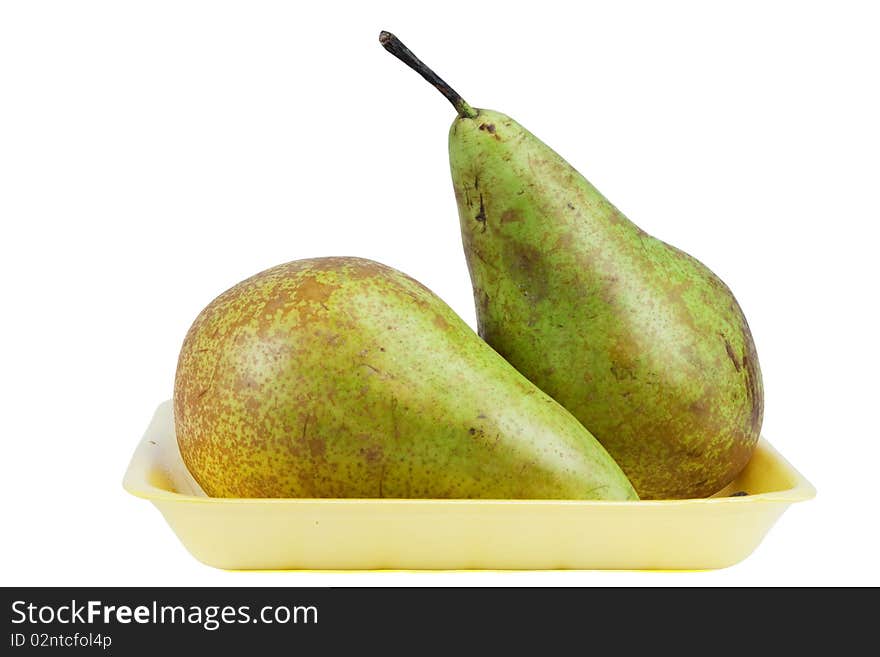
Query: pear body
[341, 377]
[640, 341]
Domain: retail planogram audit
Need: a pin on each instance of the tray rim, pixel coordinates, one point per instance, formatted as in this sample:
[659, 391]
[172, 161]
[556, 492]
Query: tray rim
[136, 483]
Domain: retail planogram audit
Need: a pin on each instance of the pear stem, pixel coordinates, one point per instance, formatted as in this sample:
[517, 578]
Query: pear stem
[393, 45]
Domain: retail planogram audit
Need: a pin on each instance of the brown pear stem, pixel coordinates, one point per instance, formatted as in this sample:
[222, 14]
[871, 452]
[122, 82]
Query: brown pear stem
[393, 45]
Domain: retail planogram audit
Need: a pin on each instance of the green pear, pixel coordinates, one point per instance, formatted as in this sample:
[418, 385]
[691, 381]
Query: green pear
[640, 341]
[341, 377]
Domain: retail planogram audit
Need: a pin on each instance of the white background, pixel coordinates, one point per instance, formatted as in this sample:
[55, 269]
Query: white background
[153, 154]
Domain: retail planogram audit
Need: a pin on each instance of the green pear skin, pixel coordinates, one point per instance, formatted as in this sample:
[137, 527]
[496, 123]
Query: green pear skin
[344, 378]
[640, 341]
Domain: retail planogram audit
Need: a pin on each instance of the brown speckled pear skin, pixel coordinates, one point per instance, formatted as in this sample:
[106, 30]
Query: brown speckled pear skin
[640, 341]
[344, 378]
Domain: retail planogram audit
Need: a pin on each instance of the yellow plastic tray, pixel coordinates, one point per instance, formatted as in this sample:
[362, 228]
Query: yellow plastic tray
[372, 534]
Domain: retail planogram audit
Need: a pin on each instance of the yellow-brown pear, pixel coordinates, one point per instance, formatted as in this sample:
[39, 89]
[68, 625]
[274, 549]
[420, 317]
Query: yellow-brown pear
[341, 377]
